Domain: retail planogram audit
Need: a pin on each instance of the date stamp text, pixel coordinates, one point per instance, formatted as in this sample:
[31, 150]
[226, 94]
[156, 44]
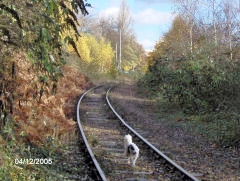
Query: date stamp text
[33, 161]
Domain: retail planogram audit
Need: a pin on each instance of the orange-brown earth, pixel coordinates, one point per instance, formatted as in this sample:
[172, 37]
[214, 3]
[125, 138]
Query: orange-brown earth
[52, 115]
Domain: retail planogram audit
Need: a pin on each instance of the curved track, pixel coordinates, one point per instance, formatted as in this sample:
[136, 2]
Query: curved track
[102, 129]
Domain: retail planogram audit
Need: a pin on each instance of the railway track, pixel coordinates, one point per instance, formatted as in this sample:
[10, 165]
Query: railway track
[103, 129]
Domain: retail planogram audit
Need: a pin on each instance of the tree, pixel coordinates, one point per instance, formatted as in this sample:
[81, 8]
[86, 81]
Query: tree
[175, 42]
[96, 52]
[124, 22]
[207, 80]
[124, 19]
[188, 10]
[230, 25]
[34, 27]
[108, 28]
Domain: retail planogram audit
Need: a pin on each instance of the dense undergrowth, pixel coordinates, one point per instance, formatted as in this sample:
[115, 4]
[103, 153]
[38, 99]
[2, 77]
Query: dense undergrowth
[13, 150]
[39, 129]
[205, 93]
[24, 160]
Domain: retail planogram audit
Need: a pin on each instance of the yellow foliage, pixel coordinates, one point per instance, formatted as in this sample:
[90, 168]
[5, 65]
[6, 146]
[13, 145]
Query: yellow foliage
[93, 51]
[83, 48]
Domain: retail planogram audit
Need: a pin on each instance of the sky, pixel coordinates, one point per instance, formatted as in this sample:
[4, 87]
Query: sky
[151, 18]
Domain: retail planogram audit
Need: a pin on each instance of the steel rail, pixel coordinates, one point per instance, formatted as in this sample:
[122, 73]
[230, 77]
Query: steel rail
[171, 162]
[96, 164]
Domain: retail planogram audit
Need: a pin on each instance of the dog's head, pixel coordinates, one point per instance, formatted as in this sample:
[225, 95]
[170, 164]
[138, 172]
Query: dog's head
[128, 139]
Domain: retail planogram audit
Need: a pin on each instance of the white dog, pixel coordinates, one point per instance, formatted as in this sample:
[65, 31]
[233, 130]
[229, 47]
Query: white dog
[131, 150]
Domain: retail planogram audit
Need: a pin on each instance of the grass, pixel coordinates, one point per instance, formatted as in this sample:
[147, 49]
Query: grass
[13, 168]
[222, 128]
[13, 151]
[93, 140]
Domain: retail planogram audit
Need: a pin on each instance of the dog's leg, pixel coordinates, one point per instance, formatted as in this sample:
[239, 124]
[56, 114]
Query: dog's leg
[129, 160]
[135, 158]
[125, 150]
[125, 153]
[134, 161]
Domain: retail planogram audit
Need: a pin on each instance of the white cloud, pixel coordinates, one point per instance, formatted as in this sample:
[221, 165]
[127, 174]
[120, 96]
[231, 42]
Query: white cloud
[147, 16]
[148, 45]
[153, 17]
[109, 12]
[154, 1]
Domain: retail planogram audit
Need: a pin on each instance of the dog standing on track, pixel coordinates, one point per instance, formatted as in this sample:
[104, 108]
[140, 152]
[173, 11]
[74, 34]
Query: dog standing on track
[131, 150]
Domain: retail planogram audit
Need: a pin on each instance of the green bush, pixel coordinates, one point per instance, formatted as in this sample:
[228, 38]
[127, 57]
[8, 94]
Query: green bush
[196, 85]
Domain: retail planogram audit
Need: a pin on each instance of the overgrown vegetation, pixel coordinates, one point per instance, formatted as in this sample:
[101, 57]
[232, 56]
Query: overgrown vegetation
[34, 116]
[219, 127]
[47, 158]
[34, 27]
[12, 151]
[198, 86]
[200, 72]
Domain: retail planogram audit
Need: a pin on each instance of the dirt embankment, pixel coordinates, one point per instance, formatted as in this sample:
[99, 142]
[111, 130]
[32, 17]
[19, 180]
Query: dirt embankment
[53, 115]
[195, 154]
